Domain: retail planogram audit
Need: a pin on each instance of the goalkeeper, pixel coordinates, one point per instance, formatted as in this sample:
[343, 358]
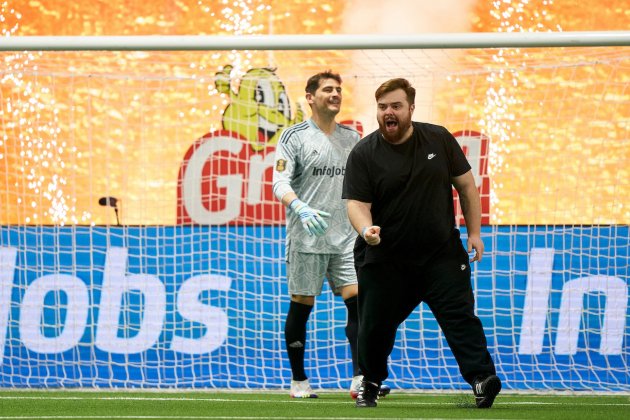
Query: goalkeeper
[307, 179]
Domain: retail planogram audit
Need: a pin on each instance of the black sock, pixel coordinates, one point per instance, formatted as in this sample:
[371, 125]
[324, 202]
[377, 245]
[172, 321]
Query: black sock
[295, 337]
[352, 331]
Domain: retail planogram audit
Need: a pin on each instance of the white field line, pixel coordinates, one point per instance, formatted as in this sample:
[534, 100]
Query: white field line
[290, 401]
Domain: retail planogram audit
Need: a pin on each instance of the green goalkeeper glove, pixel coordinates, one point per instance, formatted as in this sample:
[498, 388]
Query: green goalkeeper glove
[312, 219]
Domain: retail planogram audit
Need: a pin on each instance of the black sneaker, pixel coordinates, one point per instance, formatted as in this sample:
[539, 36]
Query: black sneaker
[486, 390]
[384, 391]
[368, 394]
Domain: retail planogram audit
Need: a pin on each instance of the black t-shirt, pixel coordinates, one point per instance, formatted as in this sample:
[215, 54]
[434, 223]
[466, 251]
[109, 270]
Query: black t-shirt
[410, 189]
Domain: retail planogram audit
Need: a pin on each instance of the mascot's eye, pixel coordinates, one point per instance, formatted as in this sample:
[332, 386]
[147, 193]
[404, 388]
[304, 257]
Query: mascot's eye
[283, 104]
[259, 96]
[263, 94]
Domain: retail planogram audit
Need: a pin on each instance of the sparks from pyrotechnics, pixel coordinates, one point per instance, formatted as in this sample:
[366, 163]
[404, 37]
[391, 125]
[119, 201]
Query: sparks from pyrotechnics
[39, 148]
[505, 82]
[236, 19]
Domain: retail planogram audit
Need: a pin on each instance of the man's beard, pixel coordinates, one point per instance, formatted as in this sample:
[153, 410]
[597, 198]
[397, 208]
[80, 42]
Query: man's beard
[397, 135]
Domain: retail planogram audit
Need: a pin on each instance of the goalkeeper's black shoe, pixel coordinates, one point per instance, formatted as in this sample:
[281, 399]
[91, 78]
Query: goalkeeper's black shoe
[368, 394]
[486, 390]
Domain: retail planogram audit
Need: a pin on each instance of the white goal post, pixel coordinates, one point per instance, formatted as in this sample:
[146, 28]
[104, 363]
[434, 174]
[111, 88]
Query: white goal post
[317, 42]
[141, 246]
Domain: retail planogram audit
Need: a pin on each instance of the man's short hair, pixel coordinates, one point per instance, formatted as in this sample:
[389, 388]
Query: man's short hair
[394, 84]
[313, 82]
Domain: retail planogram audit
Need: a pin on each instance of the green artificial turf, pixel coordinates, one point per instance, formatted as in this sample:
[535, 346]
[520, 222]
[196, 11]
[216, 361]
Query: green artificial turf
[212, 404]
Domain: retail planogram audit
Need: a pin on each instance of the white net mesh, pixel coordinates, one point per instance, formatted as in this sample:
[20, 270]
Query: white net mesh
[189, 290]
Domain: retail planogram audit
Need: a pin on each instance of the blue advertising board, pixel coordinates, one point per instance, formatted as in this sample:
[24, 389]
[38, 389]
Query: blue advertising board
[204, 306]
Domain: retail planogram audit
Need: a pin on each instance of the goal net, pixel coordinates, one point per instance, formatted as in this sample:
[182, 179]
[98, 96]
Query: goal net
[141, 246]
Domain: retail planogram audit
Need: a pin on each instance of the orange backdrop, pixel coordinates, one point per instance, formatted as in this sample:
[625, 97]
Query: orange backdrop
[76, 126]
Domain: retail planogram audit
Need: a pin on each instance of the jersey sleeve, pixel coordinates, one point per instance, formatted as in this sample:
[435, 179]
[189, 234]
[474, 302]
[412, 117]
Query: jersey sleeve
[285, 165]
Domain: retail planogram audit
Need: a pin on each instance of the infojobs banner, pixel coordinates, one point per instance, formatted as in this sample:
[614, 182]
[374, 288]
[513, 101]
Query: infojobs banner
[204, 306]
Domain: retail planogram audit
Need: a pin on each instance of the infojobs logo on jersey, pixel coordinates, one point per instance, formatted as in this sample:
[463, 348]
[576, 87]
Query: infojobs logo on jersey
[329, 171]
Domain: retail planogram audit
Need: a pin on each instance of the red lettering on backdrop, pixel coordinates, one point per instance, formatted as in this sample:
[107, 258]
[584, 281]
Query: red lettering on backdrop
[222, 180]
[476, 147]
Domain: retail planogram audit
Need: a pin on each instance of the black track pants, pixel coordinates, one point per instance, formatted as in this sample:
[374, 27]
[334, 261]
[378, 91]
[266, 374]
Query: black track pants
[389, 292]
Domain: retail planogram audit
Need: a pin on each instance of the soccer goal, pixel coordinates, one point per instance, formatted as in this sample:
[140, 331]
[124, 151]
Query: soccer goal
[141, 245]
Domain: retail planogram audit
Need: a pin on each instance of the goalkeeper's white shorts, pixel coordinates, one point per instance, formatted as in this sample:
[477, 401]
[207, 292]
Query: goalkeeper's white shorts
[306, 272]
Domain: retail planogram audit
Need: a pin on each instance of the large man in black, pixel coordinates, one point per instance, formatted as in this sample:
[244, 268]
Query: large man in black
[398, 184]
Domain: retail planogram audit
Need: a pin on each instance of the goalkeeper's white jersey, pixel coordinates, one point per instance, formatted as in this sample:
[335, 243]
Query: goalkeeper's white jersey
[313, 165]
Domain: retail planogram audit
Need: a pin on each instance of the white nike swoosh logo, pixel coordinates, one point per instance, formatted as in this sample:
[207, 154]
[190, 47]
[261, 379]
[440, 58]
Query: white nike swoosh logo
[431, 156]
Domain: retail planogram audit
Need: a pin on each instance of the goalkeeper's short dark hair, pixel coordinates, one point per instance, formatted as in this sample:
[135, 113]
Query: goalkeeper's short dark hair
[394, 84]
[313, 82]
